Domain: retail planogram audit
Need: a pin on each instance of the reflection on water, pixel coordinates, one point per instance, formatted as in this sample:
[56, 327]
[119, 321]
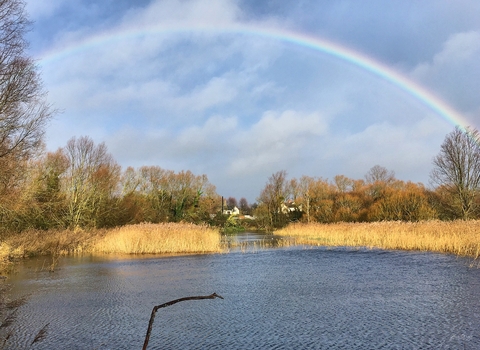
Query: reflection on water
[286, 298]
[252, 241]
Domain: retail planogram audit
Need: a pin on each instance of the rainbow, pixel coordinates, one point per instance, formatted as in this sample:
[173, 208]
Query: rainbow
[310, 42]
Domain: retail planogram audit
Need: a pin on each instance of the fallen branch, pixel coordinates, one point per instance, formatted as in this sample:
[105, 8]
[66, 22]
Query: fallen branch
[154, 311]
[42, 333]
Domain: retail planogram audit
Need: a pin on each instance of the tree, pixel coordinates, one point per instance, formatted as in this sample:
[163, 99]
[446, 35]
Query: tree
[379, 178]
[343, 183]
[231, 202]
[47, 201]
[153, 194]
[272, 197]
[306, 185]
[155, 184]
[23, 109]
[457, 170]
[90, 182]
[379, 173]
[244, 207]
[405, 202]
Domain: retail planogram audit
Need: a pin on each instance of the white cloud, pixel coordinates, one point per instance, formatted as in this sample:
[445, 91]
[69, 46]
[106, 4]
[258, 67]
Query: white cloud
[275, 140]
[212, 137]
[39, 9]
[218, 90]
[459, 49]
[183, 13]
[407, 149]
[454, 72]
[162, 145]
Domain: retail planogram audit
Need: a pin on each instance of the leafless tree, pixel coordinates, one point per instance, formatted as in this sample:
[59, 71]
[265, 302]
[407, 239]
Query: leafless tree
[90, 181]
[306, 185]
[343, 183]
[244, 207]
[273, 196]
[379, 178]
[379, 174]
[24, 111]
[457, 169]
[231, 202]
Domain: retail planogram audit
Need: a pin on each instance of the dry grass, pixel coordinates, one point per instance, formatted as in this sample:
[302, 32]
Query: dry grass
[171, 238]
[458, 237]
[158, 239]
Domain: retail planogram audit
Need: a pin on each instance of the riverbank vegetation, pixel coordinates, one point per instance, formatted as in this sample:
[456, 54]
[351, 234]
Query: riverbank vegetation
[167, 238]
[458, 237]
[81, 187]
[78, 200]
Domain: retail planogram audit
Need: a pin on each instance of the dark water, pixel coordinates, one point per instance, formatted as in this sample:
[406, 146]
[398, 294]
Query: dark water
[286, 298]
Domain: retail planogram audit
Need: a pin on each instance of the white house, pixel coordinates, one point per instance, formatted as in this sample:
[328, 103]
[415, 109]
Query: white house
[235, 211]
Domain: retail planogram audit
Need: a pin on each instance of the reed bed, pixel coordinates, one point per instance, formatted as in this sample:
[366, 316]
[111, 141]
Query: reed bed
[453, 237]
[168, 238]
[36, 242]
[158, 239]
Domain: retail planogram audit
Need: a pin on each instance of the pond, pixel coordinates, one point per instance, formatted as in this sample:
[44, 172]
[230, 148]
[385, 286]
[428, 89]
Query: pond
[275, 298]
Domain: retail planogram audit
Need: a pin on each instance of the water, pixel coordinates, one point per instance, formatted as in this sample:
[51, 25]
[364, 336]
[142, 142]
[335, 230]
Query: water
[285, 298]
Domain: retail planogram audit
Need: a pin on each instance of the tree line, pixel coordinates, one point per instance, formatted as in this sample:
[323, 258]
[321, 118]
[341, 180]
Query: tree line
[380, 196]
[82, 186]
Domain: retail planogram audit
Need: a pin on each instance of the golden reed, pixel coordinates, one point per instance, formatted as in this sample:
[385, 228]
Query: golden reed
[165, 238]
[158, 239]
[453, 237]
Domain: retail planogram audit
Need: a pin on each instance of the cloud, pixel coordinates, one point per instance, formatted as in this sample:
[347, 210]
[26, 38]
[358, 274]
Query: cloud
[454, 72]
[186, 13]
[211, 138]
[41, 9]
[205, 143]
[407, 149]
[275, 140]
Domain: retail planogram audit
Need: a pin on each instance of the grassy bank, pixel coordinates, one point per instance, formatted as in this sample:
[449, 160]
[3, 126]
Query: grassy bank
[455, 237]
[131, 239]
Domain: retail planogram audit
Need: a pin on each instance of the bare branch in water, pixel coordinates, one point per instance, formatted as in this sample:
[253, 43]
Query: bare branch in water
[42, 333]
[154, 311]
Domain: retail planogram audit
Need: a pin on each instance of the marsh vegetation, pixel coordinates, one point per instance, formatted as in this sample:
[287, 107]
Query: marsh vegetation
[167, 238]
[453, 237]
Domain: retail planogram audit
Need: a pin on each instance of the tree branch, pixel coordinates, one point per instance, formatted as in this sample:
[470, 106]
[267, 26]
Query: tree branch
[155, 309]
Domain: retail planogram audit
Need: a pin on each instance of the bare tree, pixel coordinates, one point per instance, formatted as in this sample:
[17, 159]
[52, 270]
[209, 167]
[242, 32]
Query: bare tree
[23, 108]
[244, 207]
[231, 202]
[306, 185]
[457, 169]
[343, 183]
[380, 174]
[378, 179]
[91, 180]
[273, 197]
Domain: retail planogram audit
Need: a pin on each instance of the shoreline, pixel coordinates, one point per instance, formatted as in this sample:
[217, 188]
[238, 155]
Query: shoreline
[134, 240]
[461, 238]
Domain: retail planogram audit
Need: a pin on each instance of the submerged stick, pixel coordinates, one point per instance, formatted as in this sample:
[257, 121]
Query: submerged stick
[42, 333]
[154, 311]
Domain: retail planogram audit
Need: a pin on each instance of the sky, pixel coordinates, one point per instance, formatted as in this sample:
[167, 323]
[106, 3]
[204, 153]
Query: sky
[241, 89]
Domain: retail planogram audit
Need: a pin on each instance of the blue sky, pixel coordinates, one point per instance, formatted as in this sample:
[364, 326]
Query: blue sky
[238, 106]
